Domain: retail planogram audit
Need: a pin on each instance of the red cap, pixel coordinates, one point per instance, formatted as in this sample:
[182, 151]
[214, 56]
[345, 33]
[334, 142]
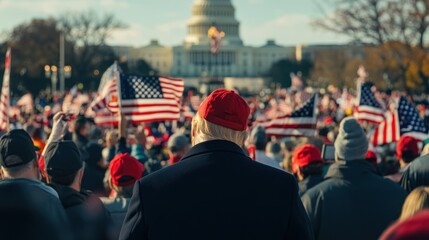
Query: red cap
[328, 120]
[371, 156]
[407, 143]
[125, 170]
[225, 108]
[304, 155]
[415, 227]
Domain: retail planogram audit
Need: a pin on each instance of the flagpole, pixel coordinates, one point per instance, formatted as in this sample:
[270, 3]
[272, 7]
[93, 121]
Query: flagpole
[61, 65]
[8, 87]
[118, 83]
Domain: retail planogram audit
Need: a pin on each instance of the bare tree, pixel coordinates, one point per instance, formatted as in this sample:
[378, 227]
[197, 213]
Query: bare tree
[88, 31]
[399, 27]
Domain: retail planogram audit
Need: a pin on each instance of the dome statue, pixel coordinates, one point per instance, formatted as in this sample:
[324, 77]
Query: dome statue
[208, 13]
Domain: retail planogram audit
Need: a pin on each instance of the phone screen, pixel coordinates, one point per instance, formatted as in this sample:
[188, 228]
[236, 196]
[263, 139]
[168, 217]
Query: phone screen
[328, 152]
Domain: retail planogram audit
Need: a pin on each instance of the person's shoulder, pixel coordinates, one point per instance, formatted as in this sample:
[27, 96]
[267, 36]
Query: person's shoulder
[115, 204]
[386, 183]
[419, 164]
[325, 186]
[30, 186]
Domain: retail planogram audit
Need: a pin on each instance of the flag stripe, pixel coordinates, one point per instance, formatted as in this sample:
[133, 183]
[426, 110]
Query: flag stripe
[301, 122]
[4, 98]
[405, 121]
[143, 99]
[290, 132]
[368, 110]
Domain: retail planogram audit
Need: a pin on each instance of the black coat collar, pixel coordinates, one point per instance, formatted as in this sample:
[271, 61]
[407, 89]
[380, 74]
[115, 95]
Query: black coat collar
[350, 169]
[214, 146]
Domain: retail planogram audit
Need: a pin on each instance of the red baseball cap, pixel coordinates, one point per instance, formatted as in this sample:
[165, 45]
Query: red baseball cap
[407, 143]
[415, 227]
[371, 156]
[225, 108]
[304, 155]
[125, 170]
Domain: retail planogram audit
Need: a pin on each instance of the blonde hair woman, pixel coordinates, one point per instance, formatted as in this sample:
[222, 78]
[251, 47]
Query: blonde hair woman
[415, 202]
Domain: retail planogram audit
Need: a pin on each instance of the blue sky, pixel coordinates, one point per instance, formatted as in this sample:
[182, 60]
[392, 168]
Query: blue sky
[286, 21]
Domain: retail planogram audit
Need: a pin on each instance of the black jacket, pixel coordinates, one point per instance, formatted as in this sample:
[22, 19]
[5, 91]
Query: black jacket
[31, 210]
[353, 202]
[87, 215]
[216, 192]
[417, 174]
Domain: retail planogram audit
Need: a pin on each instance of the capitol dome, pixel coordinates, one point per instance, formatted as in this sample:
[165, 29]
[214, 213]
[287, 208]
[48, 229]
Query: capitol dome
[206, 13]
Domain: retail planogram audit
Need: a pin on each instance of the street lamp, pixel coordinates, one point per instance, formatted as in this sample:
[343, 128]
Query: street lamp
[52, 73]
[67, 71]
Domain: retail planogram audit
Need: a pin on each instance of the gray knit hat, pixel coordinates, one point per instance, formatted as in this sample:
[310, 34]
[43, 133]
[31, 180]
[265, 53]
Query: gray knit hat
[258, 137]
[351, 142]
[177, 143]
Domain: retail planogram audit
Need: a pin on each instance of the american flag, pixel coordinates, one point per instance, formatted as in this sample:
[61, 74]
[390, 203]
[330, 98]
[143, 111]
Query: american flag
[301, 122]
[190, 107]
[5, 99]
[107, 99]
[403, 121]
[369, 109]
[142, 99]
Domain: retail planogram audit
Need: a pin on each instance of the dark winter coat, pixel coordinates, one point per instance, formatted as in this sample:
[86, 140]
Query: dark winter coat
[87, 215]
[353, 202]
[309, 182]
[417, 174]
[31, 210]
[216, 192]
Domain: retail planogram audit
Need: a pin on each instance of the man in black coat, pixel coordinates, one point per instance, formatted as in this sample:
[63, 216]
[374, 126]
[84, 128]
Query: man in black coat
[28, 208]
[216, 191]
[353, 202]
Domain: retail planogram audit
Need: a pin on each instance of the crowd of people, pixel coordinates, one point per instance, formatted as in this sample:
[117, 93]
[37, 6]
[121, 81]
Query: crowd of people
[213, 177]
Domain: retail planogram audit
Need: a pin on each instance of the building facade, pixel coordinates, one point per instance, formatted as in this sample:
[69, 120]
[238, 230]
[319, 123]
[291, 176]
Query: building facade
[240, 66]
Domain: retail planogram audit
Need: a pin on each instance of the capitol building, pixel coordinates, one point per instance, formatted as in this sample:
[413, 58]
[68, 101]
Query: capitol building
[236, 65]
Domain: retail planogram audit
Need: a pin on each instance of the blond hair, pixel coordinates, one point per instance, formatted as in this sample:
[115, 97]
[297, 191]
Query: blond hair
[416, 201]
[425, 150]
[203, 130]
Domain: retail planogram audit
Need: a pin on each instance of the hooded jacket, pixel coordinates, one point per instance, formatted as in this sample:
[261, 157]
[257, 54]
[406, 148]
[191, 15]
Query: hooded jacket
[86, 214]
[353, 202]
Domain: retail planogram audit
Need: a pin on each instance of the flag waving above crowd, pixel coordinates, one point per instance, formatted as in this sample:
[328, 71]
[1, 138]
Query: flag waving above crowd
[368, 108]
[140, 98]
[301, 122]
[404, 120]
